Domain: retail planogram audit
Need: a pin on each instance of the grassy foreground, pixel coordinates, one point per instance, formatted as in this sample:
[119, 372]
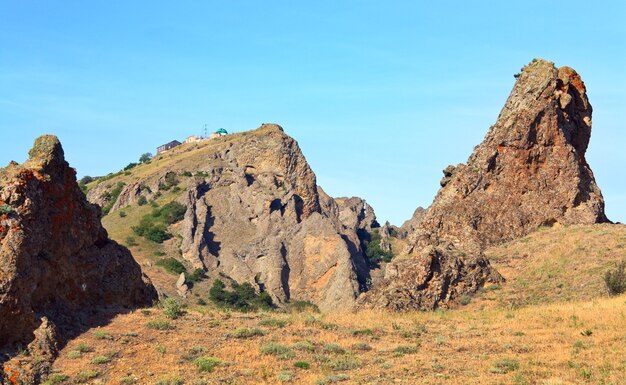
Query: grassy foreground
[573, 343]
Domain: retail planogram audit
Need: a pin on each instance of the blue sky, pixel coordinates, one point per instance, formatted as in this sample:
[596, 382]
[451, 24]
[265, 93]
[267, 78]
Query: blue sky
[381, 96]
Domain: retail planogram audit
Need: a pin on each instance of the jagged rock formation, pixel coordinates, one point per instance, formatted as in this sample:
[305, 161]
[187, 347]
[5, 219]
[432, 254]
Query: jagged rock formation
[56, 261]
[355, 213]
[255, 214]
[529, 171]
[409, 226]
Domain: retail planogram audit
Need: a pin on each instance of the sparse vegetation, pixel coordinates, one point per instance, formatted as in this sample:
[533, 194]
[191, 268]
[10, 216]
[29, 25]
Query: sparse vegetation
[206, 364]
[615, 279]
[246, 333]
[172, 265]
[504, 366]
[84, 376]
[280, 351]
[159, 325]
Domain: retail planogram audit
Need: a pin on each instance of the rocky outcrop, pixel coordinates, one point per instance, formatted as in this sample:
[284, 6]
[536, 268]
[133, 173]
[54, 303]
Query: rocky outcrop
[355, 213]
[259, 217]
[529, 171]
[56, 261]
[409, 226]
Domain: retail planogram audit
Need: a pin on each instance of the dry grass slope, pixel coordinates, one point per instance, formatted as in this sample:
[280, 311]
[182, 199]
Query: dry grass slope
[574, 343]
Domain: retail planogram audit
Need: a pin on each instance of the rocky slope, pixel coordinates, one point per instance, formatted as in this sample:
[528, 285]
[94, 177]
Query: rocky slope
[254, 214]
[529, 171]
[56, 261]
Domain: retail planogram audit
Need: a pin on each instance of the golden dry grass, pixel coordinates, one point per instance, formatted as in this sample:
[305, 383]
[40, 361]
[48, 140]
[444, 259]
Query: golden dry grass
[557, 264]
[533, 345]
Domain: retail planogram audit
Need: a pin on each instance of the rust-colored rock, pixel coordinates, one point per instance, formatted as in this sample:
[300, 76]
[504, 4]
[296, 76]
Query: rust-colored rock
[56, 261]
[529, 171]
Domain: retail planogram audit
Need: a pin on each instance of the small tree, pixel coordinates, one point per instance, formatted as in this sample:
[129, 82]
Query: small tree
[145, 157]
[616, 279]
[86, 179]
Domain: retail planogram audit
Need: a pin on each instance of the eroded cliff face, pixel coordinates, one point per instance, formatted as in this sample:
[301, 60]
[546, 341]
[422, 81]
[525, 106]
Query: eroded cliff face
[529, 171]
[255, 214]
[56, 261]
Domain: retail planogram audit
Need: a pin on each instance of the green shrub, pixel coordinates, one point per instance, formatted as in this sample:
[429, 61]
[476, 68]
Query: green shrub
[101, 335]
[246, 333]
[85, 180]
[56, 378]
[131, 241]
[370, 243]
[302, 365]
[285, 376]
[402, 349]
[145, 157]
[160, 325]
[130, 166]
[5, 209]
[363, 332]
[84, 348]
[302, 306]
[74, 354]
[186, 173]
[171, 308]
[362, 346]
[615, 280]
[172, 265]
[505, 366]
[112, 197]
[196, 276]
[84, 376]
[206, 364]
[122, 213]
[280, 351]
[100, 360]
[334, 348]
[272, 322]
[142, 200]
[242, 297]
[304, 346]
[465, 300]
[345, 362]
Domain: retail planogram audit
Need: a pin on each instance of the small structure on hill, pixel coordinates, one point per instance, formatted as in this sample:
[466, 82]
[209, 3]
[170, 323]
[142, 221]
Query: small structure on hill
[218, 133]
[193, 139]
[168, 146]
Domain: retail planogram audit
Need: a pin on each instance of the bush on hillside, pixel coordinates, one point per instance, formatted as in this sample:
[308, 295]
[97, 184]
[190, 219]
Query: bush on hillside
[373, 252]
[153, 226]
[112, 197]
[615, 280]
[242, 297]
[172, 265]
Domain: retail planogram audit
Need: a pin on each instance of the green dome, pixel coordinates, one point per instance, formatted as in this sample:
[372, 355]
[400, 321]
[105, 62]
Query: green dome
[221, 131]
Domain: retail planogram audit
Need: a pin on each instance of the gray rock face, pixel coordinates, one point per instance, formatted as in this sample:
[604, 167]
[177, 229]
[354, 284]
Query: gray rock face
[259, 217]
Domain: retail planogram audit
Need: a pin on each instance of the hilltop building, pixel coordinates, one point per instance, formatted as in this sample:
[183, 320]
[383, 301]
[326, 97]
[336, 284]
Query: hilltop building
[218, 133]
[168, 146]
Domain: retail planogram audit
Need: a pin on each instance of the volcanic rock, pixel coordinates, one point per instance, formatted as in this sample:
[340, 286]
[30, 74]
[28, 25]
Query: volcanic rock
[56, 261]
[529, 171]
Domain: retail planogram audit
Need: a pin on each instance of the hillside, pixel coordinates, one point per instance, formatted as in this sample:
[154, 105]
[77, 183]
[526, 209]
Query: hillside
[242, 208]
[573, 343]
[558, 264]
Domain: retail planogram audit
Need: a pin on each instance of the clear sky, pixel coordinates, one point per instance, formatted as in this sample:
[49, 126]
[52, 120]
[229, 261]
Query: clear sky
[381, 95]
